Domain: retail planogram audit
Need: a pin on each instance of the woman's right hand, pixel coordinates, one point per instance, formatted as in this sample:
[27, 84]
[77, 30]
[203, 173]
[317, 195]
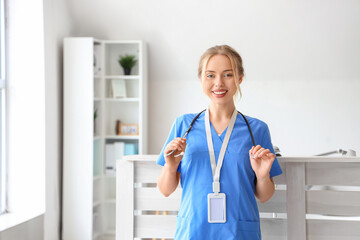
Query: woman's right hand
[179, 145]
[169, 177]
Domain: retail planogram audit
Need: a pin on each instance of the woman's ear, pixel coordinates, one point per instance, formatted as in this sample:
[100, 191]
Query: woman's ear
[240, 79]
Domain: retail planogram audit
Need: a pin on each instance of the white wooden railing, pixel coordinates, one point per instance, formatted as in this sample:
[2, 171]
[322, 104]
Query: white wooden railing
[316, 198]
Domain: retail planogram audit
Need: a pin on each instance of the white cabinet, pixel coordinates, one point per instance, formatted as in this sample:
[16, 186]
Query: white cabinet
[91, 145]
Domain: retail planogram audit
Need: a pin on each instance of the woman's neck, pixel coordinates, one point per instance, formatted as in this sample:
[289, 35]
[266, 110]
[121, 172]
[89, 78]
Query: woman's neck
[220, 113]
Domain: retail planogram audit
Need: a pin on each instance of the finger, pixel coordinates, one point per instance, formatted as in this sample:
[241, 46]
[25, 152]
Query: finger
[178, 140]
[271, 156]
[175, 146]
[181, 142]
[182, 146]
[250, 151]
[257, 154]
[179, 146]
[256, 149]
[264, 152]
[170, 149]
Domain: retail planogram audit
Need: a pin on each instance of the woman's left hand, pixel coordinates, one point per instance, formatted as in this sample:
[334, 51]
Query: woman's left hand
[261, 161]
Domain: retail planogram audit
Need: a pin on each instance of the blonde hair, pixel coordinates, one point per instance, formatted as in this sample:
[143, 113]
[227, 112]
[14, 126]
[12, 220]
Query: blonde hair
[235, 60]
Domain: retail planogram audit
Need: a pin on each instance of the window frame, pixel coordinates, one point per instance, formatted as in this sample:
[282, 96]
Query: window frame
[2, 107]
[25, 103]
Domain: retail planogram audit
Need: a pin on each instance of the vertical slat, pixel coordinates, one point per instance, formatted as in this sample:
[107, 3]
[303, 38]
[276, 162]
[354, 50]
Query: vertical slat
[273, 229]
[295, 198]
[151, 226]
[124, 200]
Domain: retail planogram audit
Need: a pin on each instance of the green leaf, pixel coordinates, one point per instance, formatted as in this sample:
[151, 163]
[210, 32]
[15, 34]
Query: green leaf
[127, 61]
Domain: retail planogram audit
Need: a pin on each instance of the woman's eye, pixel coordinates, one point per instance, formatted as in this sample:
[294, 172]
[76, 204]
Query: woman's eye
[210, 76]
[228, 75]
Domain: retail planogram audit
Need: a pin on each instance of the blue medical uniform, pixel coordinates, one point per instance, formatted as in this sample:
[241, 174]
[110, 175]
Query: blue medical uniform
[237, 179]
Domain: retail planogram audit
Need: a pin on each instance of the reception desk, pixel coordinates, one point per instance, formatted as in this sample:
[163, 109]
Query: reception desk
[315, 198]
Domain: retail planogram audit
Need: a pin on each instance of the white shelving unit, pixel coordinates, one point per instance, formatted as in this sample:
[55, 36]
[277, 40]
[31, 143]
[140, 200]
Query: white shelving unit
[89, 194]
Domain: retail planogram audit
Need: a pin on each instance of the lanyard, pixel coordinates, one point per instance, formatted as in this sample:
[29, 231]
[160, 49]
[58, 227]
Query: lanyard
[216, 168]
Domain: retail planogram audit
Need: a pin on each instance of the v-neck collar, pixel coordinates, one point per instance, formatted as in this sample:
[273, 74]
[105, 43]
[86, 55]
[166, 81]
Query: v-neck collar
[214, 133]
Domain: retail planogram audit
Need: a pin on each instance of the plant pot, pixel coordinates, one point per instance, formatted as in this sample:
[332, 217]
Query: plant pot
[127, 71]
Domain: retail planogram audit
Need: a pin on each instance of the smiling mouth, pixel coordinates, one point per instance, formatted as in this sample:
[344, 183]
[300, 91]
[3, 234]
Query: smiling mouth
[219, 92]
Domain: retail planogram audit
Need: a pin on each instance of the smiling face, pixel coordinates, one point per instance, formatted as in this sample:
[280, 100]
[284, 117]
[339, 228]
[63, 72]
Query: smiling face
[218, 81]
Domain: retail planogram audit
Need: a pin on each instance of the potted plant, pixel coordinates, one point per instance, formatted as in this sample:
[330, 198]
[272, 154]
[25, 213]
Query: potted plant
[127, 62]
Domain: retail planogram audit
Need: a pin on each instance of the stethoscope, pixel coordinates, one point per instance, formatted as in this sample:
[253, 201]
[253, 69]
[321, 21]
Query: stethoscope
[192, 122]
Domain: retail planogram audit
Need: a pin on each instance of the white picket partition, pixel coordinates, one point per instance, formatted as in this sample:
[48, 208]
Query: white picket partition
[316, 198]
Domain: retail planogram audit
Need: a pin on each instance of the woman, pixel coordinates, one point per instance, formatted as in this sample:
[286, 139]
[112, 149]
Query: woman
[220, 168]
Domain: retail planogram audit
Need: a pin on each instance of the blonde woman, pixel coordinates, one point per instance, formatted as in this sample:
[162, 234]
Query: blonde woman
[224, 162]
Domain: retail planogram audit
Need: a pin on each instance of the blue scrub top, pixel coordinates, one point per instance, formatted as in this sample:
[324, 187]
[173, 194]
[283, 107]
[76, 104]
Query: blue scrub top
[237, 179]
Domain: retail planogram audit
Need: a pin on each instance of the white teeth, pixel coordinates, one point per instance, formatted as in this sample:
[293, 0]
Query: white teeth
[218, 93]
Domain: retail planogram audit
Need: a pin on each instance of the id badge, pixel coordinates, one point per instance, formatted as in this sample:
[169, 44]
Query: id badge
[216, 208]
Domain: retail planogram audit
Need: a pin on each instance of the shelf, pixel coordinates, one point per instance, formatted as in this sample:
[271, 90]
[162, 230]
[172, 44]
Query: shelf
[123, 137]
[110, 232]
[109, 176]
[117, 42]
[96, 203]
[110, 200]
[122, 77]
[97, 76]
[122, 99]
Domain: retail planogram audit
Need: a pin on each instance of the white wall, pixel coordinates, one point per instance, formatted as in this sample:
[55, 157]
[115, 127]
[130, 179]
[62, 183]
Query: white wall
[301, 61]
[58, 25]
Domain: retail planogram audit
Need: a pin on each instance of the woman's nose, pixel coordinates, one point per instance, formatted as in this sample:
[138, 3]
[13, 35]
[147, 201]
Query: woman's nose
[218, 81]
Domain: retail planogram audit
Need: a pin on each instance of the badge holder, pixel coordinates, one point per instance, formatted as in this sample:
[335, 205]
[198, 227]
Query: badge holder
[216, 208]
[216, 205]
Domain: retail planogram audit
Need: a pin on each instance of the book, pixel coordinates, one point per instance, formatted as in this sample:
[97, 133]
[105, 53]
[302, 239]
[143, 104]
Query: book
[131, 149]
[118, 88]
[119, 150]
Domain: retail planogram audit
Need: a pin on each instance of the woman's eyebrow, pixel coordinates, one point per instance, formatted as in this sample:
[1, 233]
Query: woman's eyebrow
[228, 70]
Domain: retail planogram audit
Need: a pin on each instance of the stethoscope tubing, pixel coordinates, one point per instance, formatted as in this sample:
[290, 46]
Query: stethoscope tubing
[191, 124]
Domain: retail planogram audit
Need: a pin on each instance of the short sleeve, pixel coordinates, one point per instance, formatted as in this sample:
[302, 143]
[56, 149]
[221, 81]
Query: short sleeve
[266, 143]
[172, 135]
